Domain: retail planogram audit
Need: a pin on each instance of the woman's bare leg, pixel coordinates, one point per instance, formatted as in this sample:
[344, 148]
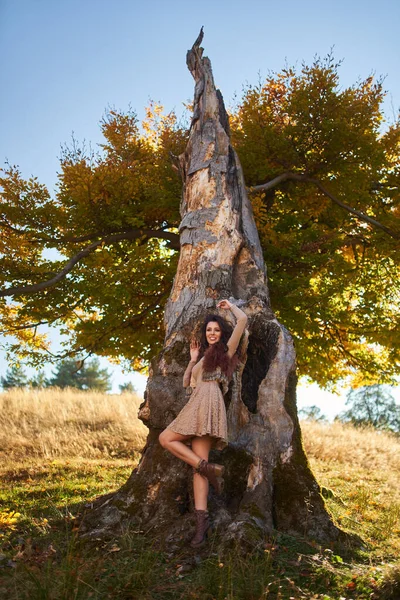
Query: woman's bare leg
[201, 446]
[173, 442]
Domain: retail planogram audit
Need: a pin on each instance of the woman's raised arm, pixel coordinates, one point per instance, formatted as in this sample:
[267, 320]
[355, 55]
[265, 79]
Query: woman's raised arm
[194, 355]
[241, 322]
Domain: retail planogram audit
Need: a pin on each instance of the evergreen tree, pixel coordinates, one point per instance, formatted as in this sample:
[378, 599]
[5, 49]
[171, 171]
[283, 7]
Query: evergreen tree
[39, 380]
[92, 377]
[69, 373]
[127, 387]
[15, 377]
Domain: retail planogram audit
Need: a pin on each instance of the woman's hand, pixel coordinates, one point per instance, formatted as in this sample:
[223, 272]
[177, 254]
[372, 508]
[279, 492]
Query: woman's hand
[225, 304]
[194, 350]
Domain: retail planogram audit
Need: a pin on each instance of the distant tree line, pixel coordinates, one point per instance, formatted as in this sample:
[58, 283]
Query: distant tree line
[371, 405]
[68, 373]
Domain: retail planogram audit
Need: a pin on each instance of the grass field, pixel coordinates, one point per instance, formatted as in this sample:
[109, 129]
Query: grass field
[61, 449]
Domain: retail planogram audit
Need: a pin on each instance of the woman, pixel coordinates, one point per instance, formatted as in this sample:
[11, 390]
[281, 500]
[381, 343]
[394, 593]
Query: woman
[203, 419]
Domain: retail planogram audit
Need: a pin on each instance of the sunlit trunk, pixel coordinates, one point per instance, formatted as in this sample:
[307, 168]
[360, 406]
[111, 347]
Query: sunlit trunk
[268, 483]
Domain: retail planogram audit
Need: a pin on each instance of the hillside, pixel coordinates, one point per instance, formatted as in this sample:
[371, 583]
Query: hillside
[60, 449]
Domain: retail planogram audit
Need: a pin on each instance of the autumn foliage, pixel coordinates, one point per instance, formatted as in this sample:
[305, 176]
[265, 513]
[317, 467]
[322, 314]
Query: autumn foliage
[322, 168]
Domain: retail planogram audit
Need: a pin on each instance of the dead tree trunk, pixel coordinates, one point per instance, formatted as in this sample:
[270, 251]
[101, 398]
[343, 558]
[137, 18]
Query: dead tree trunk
[269, 484]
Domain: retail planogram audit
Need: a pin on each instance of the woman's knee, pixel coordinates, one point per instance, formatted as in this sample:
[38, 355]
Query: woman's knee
[164, 438]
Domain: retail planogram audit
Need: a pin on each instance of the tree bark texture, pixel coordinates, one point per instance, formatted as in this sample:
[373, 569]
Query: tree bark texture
[268, 483]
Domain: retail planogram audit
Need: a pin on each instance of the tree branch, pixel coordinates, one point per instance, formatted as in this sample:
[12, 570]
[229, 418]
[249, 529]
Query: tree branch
[173, 238]
[27, 326]
[355, 212]
[298, 177]
[91, 349]
[264, 187]
[36, 325]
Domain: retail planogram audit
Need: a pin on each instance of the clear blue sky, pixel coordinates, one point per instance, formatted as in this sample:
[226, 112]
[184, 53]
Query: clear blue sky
[64, 62]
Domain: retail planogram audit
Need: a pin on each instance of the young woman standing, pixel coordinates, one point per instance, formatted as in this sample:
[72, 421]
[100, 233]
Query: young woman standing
[203, 419]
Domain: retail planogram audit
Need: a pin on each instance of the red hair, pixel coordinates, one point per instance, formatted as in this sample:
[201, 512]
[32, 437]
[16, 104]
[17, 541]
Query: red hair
[216, 355]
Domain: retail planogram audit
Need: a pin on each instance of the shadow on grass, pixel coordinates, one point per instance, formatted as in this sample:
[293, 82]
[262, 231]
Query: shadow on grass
[43, 558]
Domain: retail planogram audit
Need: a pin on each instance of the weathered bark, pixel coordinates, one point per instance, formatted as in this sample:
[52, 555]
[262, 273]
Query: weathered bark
[269, 484]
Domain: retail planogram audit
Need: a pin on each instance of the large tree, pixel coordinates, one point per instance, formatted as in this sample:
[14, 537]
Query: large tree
[115, 218]
[322, 169]
[268, 483]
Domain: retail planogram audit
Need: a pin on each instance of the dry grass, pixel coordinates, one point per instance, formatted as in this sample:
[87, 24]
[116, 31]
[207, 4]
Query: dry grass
[363, 457]
[365, 448]
[361, 470]
[60, 449]
[54, 423]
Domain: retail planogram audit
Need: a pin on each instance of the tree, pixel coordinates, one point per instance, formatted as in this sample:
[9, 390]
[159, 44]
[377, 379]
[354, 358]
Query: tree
[372, 405]
[128, 388]
[325, 188]
[114, 218]
[39, 380]
[269, 483]
[312, 413]
[71, 373]
[323, 176]
[15, 378]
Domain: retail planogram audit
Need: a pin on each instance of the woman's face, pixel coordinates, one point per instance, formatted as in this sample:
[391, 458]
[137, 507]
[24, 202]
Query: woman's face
[213, 332]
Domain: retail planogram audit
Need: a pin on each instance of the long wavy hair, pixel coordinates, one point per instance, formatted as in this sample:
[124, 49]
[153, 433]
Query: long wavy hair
[216, 355]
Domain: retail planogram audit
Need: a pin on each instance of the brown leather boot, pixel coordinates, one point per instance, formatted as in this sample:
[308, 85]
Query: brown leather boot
[213, 473]
[202, 527]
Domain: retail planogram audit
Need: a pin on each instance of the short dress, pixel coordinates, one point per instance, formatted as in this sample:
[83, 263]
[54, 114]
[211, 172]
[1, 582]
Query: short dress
[205, 413]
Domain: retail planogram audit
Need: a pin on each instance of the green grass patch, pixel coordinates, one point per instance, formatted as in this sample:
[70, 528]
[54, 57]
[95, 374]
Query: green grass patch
[42, 557]
[366, 503]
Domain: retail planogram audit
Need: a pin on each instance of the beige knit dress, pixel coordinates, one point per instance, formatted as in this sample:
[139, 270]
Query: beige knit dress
[205, 412]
